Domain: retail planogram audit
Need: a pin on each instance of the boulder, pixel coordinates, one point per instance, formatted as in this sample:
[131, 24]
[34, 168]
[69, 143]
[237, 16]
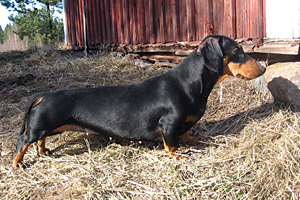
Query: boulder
[283, 81]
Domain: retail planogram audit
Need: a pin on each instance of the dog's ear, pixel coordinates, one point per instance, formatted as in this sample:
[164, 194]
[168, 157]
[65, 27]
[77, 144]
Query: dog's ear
[212, 54]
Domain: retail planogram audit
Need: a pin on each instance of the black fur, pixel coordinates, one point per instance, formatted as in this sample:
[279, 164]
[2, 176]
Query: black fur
[143, 111]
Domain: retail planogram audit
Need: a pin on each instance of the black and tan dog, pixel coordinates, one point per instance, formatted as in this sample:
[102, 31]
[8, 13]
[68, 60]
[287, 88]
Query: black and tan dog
[162, 108]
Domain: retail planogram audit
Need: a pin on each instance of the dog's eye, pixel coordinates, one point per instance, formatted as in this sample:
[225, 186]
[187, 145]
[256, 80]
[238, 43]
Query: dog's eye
[236, 50]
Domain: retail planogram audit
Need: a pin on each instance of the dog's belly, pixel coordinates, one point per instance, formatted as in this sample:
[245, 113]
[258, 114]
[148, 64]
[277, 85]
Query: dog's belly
[138, 133]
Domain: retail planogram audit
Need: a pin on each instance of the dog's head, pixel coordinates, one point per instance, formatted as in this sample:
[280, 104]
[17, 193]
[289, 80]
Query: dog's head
[225, 56]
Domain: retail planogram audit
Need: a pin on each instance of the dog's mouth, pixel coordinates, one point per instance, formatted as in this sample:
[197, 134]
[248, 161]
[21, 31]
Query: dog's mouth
[242, 77]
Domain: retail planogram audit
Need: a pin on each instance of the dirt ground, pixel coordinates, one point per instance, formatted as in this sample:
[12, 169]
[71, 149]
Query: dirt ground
[249, 147]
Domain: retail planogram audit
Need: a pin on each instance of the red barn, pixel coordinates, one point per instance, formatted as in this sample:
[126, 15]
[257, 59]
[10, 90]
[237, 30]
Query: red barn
[139, 22]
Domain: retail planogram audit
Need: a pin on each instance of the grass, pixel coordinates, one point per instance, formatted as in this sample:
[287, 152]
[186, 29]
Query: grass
[249, 147]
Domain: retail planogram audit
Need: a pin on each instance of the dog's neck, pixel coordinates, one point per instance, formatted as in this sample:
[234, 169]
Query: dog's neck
[196, 78]
[209, 80]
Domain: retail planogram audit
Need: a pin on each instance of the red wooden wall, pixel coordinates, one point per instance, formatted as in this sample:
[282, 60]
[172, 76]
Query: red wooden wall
[162, 21]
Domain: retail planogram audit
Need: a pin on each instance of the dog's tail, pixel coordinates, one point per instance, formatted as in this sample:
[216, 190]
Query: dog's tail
[32, 102]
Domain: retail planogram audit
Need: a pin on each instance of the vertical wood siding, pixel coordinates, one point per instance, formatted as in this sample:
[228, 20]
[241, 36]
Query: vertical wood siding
[162, 21]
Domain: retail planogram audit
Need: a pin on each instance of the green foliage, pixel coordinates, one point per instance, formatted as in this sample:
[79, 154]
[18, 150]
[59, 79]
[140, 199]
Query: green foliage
[1, 35]
[36, 20]
[8, 30]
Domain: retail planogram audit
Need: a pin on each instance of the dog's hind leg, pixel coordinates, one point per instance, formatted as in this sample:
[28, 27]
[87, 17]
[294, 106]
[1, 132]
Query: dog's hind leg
[42, 150]
[24, 140]
[18, 161]
[21, 149]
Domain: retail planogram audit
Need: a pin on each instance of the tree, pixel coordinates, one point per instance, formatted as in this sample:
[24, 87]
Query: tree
[8, 30]
[36, 19]
[1, 35]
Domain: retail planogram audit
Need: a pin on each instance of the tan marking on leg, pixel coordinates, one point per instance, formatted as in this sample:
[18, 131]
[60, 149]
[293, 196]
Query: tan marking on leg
[37, 102]
[171, 150]
[167, 148]
[186, 138]
[42, 147]
[19, 157]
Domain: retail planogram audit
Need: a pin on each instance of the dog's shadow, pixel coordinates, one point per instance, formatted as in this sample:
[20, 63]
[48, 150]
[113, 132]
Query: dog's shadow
[82, 143]
[204, 130]
[207, 130]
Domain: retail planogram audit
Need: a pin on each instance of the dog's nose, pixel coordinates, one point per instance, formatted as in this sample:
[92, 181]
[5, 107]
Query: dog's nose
[262, 70]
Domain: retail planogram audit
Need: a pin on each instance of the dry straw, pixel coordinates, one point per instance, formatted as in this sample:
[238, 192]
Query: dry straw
[249, 148]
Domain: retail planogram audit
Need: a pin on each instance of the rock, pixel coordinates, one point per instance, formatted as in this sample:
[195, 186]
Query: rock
[283, 81]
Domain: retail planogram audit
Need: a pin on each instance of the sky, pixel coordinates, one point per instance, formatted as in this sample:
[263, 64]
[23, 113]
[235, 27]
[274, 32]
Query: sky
[4, 17]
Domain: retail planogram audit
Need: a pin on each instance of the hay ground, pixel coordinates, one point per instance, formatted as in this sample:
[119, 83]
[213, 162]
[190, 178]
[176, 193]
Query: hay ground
[249, 147]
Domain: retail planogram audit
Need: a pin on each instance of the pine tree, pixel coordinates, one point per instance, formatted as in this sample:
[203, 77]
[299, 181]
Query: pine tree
[35, 19]
[8, 30]
[1, 35]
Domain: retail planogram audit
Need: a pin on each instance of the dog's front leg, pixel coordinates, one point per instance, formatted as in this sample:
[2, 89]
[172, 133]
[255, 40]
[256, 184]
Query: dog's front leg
[170, 138]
